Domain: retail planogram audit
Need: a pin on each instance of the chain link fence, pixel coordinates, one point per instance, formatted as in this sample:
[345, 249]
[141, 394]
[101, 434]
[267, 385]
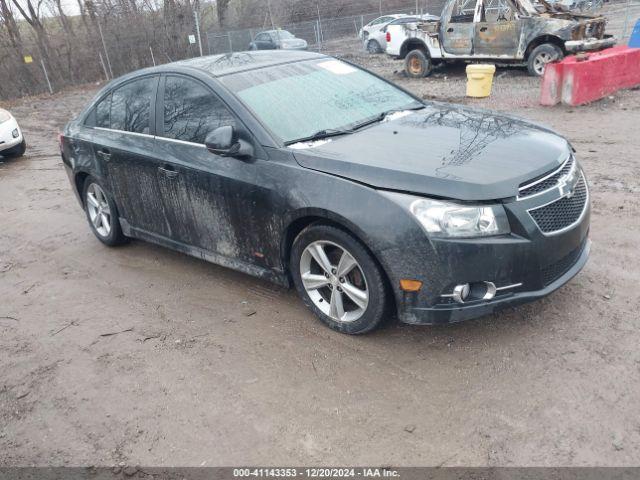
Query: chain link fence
[113, 50]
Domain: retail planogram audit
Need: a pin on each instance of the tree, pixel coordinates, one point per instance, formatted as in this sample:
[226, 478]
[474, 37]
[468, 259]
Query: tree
[221, 7]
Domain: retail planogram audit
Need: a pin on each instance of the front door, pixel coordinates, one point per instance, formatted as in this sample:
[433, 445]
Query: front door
[210, 199]
[457, 29]
[497, 32]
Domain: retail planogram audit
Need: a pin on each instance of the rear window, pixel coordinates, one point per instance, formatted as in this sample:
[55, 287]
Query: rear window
[103, 112]
[128, 108]
[131, 106]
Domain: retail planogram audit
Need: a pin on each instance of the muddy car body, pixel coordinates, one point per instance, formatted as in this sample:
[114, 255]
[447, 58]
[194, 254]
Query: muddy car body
[514, 33]
[439, 212]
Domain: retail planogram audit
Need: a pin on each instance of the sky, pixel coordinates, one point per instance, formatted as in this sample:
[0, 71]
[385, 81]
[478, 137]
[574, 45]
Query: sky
[70, 7]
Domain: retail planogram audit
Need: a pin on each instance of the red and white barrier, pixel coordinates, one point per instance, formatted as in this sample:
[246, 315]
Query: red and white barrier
[575, 81]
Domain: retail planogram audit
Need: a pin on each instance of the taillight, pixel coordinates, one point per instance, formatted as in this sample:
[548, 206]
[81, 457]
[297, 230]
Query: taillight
[388, 36]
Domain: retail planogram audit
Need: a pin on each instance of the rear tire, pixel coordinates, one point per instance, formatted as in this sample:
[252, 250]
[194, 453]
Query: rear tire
[349, 293]
[102, 213]
[373, 47]
[417, 64]
[16, 151]
[540, 56]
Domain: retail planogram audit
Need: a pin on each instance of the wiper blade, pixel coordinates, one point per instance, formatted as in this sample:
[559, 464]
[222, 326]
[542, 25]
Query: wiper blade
[334, 132]
[380, 117]
[320, 134]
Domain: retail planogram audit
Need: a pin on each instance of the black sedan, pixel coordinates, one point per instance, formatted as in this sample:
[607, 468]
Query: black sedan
[309, 171]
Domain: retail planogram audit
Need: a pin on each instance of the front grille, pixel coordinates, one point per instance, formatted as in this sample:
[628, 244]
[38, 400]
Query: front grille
[546, 181]
[554, 271]
[563, 212]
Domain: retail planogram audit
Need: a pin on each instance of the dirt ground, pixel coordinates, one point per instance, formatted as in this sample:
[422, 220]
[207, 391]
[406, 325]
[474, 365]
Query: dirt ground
[213, 367]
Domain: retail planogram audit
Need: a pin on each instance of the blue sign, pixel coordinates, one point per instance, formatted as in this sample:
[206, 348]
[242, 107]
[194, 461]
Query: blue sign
[634, 41]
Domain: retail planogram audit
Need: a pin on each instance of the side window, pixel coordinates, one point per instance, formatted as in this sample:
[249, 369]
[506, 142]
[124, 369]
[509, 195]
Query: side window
[499, 13]
[191, 110]
[262, 37]
[463, 11]
[131, 106]
[103, 112]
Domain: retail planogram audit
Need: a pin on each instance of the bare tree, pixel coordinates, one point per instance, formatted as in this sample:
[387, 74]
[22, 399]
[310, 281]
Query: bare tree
[16, 42]
[221, 7]
[31, 14]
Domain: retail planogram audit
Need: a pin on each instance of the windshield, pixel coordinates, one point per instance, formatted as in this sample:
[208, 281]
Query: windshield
[297, 100]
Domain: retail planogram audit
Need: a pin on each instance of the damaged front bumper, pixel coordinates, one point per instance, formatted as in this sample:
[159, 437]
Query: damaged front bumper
[442, 314]
[589, 45]
[496, 272]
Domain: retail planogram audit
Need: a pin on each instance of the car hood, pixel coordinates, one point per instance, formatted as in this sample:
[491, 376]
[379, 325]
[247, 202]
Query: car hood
[444, 151]
[293, 42]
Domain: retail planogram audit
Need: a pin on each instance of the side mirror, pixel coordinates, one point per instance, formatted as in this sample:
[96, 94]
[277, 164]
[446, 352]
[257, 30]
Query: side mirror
[224, 141]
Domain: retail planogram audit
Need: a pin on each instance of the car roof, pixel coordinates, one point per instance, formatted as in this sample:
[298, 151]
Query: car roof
[274, 31]
[225, 64]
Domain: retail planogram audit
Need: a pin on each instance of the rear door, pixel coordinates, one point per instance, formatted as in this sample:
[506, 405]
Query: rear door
[125, 146]
[457, 29]
[497, 32]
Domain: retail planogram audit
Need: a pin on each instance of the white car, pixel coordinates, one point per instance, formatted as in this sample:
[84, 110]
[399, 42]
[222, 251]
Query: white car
[12, 143]
[376, 42]
[375, 25]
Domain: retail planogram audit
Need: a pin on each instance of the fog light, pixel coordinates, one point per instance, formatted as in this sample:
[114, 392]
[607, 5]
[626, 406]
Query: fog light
[15, 133]
[461, 292]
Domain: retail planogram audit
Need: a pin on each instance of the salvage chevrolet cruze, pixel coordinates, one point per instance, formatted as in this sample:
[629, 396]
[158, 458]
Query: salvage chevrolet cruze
[308, 171]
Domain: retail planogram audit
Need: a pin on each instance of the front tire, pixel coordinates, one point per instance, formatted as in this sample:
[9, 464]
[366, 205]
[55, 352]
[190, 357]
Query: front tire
[338, 279]
[102, 213]
[540, 56]
[417, 64]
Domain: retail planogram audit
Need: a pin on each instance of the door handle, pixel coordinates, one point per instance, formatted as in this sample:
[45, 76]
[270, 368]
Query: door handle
[483, 29]
[168, 172]
[105, 154]
[449, 29]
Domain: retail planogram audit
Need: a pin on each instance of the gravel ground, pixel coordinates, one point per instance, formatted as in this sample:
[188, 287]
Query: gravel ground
[145, 356]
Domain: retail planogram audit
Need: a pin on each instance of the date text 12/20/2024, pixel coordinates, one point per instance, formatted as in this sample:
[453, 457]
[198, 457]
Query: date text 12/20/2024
[315, 472]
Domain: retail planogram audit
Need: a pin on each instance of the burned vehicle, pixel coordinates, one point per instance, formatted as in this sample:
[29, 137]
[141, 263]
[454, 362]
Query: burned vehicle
[498, 31]
[308, 171]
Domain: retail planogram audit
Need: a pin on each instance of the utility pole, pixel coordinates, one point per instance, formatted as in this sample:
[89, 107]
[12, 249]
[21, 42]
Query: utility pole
[104, 46]
[270, 14]
[195, 16]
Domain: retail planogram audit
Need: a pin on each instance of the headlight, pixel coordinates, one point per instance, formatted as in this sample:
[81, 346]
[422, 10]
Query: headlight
[446, 219]
[4, 116]
[455, 220]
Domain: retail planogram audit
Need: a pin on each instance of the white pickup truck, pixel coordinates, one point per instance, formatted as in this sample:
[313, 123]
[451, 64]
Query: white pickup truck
[496, 31]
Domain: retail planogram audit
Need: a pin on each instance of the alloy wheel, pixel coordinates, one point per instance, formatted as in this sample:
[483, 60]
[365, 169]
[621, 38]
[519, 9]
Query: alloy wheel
[99, 211]
[334, 281]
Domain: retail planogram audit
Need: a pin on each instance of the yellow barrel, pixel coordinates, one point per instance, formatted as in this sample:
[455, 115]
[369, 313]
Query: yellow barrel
[479, 80]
